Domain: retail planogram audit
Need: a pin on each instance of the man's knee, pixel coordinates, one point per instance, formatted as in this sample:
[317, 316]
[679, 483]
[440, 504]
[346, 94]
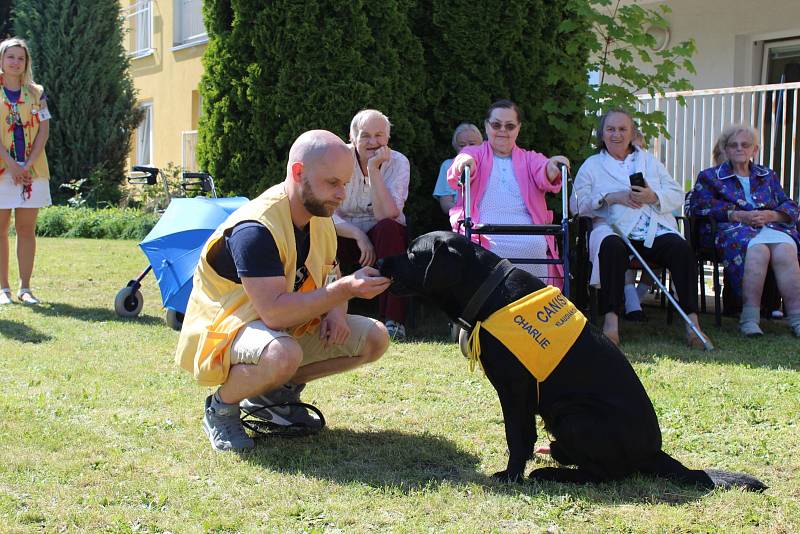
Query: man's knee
[282, 357]
[376, 344]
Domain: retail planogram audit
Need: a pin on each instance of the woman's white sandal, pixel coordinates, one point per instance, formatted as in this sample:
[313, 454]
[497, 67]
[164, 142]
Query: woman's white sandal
[5, 296]
[21, 295]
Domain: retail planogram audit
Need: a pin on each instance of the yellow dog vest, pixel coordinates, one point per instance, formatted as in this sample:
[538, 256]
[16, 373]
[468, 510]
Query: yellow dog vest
[539, 329]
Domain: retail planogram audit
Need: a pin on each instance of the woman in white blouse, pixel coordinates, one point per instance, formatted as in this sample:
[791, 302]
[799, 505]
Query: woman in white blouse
[604, 192]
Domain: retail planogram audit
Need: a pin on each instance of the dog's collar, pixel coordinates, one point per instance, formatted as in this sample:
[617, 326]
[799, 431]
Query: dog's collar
[495, 278]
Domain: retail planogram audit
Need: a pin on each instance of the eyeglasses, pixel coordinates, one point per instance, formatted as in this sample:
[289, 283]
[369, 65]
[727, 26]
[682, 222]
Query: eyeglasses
[743, 146]
[509, 126]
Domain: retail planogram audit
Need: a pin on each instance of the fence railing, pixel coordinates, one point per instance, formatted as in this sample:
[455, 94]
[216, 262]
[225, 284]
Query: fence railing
[693, 128]
[189, 151]
[138, 27]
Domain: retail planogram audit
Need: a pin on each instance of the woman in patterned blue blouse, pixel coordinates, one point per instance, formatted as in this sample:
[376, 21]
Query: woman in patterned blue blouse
[756, 225]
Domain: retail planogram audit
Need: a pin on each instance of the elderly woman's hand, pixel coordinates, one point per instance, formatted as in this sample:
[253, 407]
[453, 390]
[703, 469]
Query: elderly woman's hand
[643, 195]
[464, 160]
[758, 218]
[553, 168]
[622, 197]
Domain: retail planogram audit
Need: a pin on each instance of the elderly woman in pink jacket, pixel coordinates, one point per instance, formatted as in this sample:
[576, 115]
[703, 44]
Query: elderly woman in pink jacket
[507, 186]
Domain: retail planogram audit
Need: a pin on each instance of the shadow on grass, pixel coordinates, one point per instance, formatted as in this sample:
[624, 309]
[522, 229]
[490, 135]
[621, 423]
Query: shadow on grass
[59, 309]
[410, 462]
[22, 332]
[656, 339]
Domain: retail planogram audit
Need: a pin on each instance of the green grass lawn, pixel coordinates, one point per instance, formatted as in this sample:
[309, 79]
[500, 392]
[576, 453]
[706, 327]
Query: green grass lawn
[99, 431]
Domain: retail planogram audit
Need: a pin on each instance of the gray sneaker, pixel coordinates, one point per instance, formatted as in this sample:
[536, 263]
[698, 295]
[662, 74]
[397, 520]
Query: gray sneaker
[223, 427]
[280, 407]
[396, 331]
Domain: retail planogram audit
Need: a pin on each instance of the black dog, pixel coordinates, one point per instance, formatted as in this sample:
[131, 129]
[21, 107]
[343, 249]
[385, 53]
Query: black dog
[593, 404]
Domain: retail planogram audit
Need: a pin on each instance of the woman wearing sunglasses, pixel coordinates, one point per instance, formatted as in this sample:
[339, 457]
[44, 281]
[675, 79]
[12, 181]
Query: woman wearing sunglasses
[756, 226]
[24, 186]
[507, 186]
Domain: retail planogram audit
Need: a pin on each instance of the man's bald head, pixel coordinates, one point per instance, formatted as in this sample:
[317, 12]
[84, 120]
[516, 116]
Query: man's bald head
[314, 146]
[319, 169]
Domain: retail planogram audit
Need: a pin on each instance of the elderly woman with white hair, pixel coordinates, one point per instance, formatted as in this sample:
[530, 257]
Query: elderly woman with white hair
[756, 225]
[465, 134]
[626, 190]
[370, 222]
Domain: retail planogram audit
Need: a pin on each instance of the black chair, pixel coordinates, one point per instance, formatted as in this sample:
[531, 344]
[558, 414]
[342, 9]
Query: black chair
[705, 252]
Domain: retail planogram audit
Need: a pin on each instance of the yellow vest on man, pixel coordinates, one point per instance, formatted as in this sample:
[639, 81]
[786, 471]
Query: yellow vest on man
[218, 307]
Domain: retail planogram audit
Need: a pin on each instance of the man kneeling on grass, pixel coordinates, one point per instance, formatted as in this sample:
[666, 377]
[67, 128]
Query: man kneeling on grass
[261, 320]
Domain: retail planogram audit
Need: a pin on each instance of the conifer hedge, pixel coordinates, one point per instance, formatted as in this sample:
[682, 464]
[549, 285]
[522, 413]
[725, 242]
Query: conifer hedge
[6, 28]
[77, 52]
[275, 69]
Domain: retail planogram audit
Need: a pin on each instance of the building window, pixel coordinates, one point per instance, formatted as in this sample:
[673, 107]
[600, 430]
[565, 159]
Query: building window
[144, 136]
[139, 28]
[189, 28]
[781, 62]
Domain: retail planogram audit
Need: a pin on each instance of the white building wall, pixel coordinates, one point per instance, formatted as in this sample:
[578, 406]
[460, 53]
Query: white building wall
[730, 36]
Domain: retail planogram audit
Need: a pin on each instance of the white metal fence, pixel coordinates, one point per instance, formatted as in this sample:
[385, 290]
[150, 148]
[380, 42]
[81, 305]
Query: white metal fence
[138, 27]
[694, 128]
[189, 151]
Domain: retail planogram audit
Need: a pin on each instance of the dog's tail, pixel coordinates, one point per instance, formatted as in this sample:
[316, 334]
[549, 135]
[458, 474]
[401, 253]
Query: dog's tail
[668, 467]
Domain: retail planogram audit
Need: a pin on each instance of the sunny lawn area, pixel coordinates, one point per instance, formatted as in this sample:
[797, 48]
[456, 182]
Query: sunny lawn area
[99, 431]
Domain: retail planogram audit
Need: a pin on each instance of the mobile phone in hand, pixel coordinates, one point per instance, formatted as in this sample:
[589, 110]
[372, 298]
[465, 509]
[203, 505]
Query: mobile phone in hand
[637, 179]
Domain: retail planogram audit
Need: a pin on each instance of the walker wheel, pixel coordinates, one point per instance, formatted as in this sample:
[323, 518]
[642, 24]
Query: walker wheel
[128, 304]
[174, 319]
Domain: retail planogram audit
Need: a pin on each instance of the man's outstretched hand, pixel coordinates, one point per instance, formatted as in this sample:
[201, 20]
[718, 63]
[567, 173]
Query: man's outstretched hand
[366, 283]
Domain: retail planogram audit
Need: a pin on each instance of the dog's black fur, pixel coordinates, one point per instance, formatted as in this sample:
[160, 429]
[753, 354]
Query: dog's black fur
[593, 404]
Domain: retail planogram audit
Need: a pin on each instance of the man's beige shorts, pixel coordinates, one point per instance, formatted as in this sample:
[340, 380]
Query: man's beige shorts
[254, 337]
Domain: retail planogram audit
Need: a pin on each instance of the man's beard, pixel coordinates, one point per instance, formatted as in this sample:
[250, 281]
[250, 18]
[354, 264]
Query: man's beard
[314, 205]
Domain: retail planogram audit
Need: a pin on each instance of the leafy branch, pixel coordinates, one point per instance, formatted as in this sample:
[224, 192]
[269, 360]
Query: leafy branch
[624, 54]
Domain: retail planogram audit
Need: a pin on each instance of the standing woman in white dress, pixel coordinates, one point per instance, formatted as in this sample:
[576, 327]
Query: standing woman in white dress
[24, 174]
[507, 186]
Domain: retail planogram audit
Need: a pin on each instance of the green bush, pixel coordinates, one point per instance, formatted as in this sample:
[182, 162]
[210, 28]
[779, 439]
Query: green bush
[276, 69]
[109, 223]
[77, 52]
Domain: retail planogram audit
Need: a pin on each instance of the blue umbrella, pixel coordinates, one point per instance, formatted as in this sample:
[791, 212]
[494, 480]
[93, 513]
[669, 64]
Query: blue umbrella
[173, 245]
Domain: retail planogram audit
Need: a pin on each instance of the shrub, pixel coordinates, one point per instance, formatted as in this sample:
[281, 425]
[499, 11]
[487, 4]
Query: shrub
[109, 223]
[276, 69]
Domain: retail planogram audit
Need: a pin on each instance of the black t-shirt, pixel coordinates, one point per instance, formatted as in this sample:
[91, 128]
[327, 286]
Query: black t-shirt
[248, 249]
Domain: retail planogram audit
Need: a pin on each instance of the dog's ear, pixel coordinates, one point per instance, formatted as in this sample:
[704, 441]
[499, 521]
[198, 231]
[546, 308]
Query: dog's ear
[443, 270]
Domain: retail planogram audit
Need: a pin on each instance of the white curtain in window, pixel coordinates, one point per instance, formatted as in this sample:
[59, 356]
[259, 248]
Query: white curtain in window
[190, 14]
[140, 27]
[144, 136]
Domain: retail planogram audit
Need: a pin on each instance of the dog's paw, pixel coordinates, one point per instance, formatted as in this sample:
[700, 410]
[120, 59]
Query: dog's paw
[507, 476]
